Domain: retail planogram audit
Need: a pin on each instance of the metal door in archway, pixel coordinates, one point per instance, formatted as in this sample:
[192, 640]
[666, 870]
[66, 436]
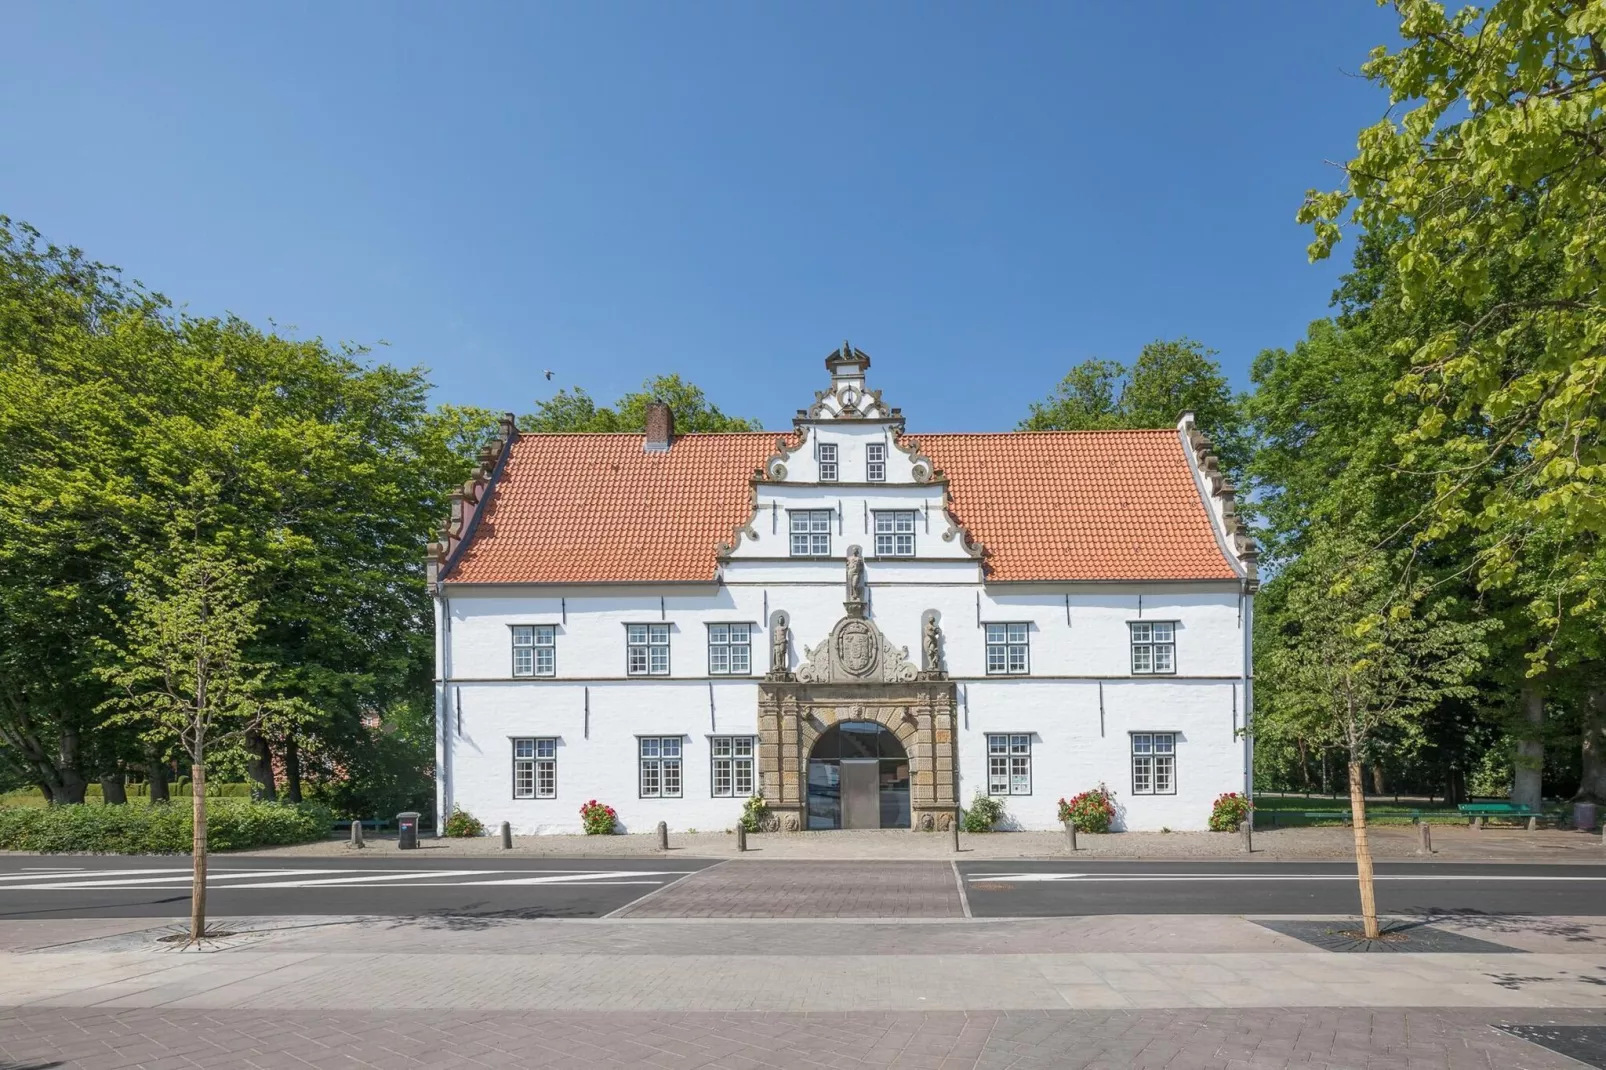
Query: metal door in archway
[858, 777]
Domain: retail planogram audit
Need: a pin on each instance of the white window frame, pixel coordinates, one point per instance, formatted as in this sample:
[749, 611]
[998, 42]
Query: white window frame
[729, 655]
[1154, 763]
[826, 454]
[1009, 648]
[659, 765]
[647, 649]
[814, 530]
[535, 650]
[1154, 647]
[733, 767]
[895, 532]
[535, 767]
[1009, 763]
[875, 462]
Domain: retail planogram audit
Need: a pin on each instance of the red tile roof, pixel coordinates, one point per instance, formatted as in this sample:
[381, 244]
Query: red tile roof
[1046, 505]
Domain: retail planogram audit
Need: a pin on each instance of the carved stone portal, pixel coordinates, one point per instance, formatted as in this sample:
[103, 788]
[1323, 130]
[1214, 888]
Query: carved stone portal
[855, 652]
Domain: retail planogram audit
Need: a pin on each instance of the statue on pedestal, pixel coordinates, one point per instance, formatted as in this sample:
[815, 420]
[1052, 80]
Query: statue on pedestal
[855, 591]
[931, 644]
[778, 641]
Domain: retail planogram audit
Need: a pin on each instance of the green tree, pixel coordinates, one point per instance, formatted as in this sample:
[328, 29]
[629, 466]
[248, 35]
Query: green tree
[1364, 653]
[575, 411]
[1168, 379]
[181, 669]
[1491, 166]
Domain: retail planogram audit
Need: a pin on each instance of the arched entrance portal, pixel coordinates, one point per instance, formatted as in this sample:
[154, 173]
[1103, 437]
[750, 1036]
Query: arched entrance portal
[858, 778]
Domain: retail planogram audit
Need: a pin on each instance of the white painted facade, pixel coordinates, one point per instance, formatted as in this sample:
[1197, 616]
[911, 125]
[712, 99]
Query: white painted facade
[1079, 703]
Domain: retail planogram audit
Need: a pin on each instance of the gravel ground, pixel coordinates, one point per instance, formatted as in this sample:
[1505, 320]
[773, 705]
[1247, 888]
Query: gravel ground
[1454, 843]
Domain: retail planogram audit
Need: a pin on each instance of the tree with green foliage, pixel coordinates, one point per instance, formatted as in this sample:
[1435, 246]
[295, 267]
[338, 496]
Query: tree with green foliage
[1365, 650]
[180, 665]
[1168, 379]
[575, 411]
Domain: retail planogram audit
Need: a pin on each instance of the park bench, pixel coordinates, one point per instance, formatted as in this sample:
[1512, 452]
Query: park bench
[1476, 813]
[1338, 815]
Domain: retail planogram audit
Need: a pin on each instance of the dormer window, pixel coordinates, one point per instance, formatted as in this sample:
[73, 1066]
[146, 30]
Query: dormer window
[827, 459]
[875, 463]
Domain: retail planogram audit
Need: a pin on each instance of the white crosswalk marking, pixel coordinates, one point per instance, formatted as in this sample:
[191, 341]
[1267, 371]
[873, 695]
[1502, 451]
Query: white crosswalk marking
[222, 879]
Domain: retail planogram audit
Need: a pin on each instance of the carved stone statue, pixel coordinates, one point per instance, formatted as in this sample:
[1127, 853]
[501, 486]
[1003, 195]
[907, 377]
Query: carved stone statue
[855, 576]
[931, 645]
[778, 638]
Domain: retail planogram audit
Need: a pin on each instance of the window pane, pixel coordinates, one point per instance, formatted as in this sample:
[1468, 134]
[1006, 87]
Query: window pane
[649, 746]
[1164, 773]
[997, 744]
[1020, 776]
[523, 635]
[546, 748]
[822, 520]
[739, 660]
[743, 746]
[1142, 775]
[905, 522]
[545, 661]
[659, 633]
[1165, 743]
[821, 546]
[995, 659]
[883, 523]
[800, 521]
[1017, 633]
[1020, 744]
[672, 778]
[546, 780]
[635, 633]
[1017, 659]
[1142, 744]
[875, 452]
[800, 545]
[884, 546]
[659, 659]
[718, 633]
[1162, 632]
[649, 779]
[671, 746]
[523, 661]
[739, 633]
[744, 778]
[524, 748]
[545, 636]
[995, 633]
[827, 451]
[719, 659]
[722, 776]
[721, 746]
[637, 660]
[1141, 633]
[905, 546]
[1140, 659]
[998, 776]
[523, 779]
[1163, 653]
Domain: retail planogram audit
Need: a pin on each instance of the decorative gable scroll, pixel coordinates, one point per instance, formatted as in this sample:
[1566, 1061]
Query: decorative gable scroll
[1221, 489]
[469, 499]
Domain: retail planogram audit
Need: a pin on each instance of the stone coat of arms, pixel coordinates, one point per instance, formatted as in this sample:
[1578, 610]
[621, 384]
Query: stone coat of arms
[855, 652]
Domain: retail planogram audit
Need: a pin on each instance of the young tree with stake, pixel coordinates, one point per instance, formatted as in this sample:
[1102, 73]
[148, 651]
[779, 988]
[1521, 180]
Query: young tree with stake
[1364, 649]
[182, 668]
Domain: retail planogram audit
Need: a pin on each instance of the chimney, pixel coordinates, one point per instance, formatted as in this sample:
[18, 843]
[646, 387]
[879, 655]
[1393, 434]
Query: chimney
[660, 426]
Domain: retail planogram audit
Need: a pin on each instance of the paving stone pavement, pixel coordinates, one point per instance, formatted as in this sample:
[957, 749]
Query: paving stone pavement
[808, 889]
[1065, 1040]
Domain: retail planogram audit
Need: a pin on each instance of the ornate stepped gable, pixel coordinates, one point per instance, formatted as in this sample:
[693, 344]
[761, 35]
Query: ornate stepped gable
[468, 499]
[1238, 536]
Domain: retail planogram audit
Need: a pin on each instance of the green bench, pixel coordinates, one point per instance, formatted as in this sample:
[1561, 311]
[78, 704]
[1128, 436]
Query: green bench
[1338, 815]
[1477, 813]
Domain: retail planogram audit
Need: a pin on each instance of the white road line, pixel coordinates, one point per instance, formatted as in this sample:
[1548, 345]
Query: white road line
[372, 878]
[1165, 878]
[97, 873]
[174, 877]
[586, 878]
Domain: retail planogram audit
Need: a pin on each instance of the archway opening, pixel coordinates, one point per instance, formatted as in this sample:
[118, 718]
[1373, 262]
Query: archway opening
[858, 777]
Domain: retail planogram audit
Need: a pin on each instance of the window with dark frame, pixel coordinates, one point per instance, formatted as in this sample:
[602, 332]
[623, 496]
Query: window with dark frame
[875, 463]
[730, 649]
[660, 767]
[534, 650]
[731, 774]
[1009, 763]
[1154, 647]
[825, 452]
[535, 768]
[1007, 653]
[1154, 763]
[811, 532]
[647, 649]
[895, 533]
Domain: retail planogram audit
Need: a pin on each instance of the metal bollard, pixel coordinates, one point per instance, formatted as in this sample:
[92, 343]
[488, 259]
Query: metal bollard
[1425, 833]
[1070, 835]
[507, 836]
[953, 833]
[356, 834]
[1246, 829]
[741, 836]
[663, 835]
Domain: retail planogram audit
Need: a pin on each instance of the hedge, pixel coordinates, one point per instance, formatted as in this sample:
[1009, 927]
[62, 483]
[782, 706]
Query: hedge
[230, 826]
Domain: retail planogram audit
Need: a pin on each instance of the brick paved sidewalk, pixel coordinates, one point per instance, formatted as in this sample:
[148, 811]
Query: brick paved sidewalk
[1450, 842]
[1253, 1039]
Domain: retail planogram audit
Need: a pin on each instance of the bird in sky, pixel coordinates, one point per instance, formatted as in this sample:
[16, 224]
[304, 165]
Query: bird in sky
[548, 374]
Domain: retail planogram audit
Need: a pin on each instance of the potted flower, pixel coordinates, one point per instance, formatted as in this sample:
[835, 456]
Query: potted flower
[599, 819]
[1090, 811]
[1230, 811]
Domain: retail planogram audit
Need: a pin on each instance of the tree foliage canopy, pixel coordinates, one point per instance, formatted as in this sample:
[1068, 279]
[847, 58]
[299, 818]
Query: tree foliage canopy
[575, 411]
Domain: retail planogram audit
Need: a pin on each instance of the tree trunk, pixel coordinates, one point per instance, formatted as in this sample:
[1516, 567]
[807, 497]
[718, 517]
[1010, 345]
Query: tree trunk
[1304, 763]
[259, 765]
[292, 769]
[1363, 850]
[71, 788]
[1529, 768]
[1377, 780]
[156, 777]
[113, 792]
[1592, 785]
[198, 854]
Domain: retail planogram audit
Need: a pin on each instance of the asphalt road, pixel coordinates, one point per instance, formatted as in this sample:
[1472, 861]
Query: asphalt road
[395, 884]
[1054, 889]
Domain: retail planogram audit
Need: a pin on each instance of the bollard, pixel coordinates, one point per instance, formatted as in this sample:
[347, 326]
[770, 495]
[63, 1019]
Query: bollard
[507, 836]
[741, 836]
[663, 835]
[1246, 829]
[953, 832]
[1070, 835]
[1533, 822]
[356, 834]
[1425, 832]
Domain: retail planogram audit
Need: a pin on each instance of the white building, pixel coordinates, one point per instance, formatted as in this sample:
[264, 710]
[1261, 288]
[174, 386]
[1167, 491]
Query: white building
[669, 624]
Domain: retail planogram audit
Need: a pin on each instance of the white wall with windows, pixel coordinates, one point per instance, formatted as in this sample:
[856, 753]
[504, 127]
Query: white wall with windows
[646, 698]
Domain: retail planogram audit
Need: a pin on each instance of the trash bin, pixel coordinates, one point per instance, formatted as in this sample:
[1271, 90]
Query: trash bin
[1584, 815]
[407, 830]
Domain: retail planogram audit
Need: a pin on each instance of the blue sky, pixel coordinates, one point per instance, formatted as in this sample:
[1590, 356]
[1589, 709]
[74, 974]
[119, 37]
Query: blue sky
[979, 195]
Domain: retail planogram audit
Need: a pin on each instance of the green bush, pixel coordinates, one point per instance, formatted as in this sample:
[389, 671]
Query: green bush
[462, 824]
[95, 829]
[1092, 810]
[755, 811]
[985, 812]
[1230, 810]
